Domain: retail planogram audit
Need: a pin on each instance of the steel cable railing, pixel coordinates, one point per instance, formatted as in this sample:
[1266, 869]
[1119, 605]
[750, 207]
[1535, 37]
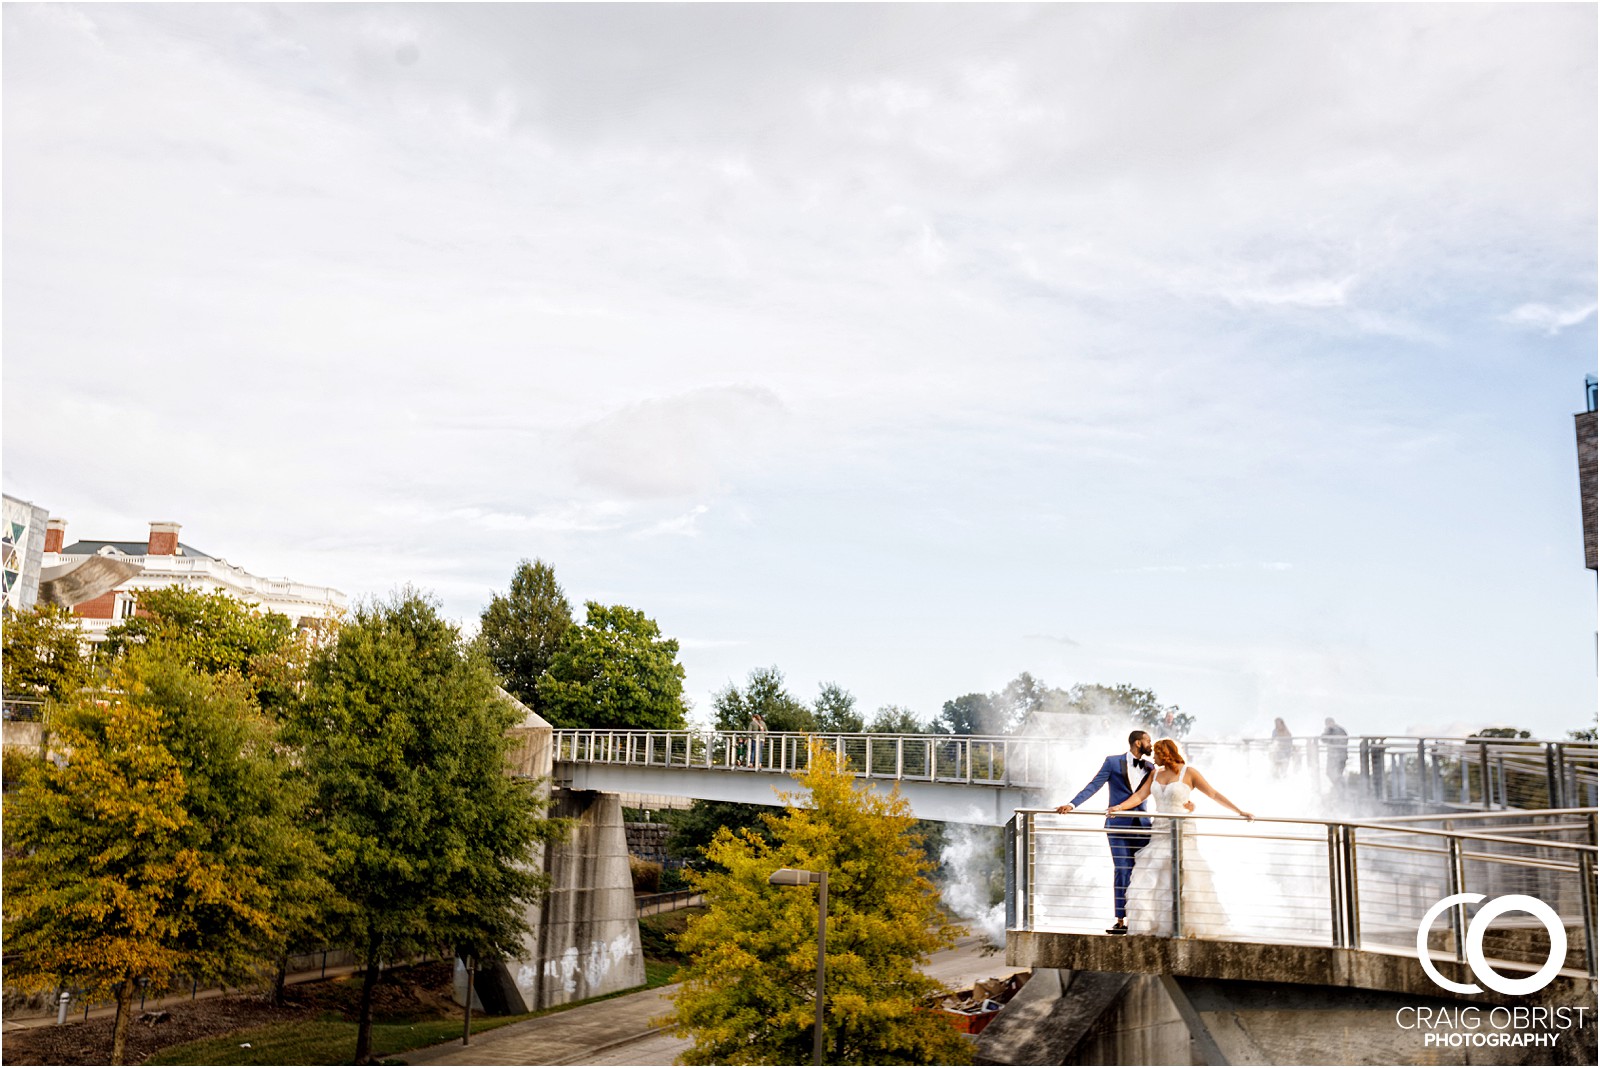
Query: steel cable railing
[1352, 884]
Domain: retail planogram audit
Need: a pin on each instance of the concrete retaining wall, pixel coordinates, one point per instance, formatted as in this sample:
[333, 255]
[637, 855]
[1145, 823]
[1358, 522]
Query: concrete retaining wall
[648, 841]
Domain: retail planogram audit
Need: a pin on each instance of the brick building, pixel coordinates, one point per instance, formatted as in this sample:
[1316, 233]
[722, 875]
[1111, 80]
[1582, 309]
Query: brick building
[162, 560]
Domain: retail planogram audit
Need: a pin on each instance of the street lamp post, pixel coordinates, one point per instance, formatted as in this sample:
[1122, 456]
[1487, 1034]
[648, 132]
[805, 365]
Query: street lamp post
[801, 877]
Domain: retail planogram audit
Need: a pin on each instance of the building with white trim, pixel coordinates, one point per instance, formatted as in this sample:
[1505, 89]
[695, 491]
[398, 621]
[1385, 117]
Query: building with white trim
[165, 561]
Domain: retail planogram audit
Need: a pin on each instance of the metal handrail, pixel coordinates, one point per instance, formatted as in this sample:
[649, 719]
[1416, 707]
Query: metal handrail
[1438, 832]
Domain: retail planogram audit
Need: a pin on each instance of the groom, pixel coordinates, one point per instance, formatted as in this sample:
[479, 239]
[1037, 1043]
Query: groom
[1124, 773]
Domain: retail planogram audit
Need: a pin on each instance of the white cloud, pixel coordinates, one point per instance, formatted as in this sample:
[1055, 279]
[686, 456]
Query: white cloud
[958, 307]
[1549, 318]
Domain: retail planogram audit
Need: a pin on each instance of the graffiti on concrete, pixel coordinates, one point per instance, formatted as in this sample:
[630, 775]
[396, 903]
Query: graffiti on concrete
[592, 966]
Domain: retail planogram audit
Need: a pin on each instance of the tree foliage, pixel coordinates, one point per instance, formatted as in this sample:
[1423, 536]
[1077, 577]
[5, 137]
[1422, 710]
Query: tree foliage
[404, 740]
[747, 994]
[43, 653]
[1026, 696]
[218, 634]
[896, 719]
[1140, 706]
[167, 842]
[764, 692]
[523, 630]
[694, 828]
[836, 710]
[972, 713]
[616, 670]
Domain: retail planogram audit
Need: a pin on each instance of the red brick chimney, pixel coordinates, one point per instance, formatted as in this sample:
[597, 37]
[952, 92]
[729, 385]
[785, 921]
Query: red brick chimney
[163, 539]
[55, 535]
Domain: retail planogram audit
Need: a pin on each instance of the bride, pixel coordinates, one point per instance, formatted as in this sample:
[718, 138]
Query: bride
[1150, 888]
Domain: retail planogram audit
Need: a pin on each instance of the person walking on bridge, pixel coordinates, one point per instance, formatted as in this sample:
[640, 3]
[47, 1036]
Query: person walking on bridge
[758, 727]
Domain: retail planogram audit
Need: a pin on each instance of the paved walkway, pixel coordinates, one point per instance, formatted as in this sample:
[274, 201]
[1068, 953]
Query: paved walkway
[572, 1036]
[620, 1031]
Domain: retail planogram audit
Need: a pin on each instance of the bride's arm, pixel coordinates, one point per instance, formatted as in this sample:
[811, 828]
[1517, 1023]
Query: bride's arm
[1137, 797]
[1200, 783]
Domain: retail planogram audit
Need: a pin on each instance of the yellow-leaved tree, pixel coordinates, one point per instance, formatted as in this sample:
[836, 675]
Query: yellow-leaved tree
[161, 839]
[748, 993]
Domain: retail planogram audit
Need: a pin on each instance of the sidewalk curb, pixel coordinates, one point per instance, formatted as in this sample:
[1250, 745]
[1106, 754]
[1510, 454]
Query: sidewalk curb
[582, 1058]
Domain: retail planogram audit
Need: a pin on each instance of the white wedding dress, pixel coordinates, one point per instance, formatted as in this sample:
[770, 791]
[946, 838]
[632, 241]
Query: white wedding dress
[1150, 888]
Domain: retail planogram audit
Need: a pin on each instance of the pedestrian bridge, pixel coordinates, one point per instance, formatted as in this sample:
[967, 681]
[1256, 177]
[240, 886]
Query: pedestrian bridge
[983, 779]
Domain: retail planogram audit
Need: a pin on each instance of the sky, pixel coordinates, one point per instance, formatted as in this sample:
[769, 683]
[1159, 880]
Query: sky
[1227, 351]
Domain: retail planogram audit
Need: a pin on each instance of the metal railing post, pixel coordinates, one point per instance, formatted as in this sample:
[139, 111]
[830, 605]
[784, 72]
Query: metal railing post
[1011, 871]
[1335, 880]
[1351, 888]
[1455, 879]
[899, 757]
[1483, 776]
[1027, 869]
[1586, 897]
[1176, 834]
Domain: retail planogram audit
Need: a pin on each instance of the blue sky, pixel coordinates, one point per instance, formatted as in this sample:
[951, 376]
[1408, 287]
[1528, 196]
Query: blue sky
[1227, 351]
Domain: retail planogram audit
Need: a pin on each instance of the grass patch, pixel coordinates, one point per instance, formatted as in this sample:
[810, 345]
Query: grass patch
[332, 1040]
[658, 934]
[659, 973]
[325, 1041]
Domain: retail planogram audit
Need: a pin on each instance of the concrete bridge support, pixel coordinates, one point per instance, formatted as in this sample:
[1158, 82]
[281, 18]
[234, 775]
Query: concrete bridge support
[584, 938]
[1146, 1000]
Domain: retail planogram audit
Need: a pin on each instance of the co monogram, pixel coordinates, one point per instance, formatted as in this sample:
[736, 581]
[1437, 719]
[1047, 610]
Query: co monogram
[1475, 959]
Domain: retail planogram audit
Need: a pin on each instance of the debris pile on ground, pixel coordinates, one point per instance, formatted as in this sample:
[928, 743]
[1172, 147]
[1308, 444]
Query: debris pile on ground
[971, 1010]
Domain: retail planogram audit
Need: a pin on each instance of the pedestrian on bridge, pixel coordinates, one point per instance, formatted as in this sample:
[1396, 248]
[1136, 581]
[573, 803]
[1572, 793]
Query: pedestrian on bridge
[758, 727]
[1335, 740]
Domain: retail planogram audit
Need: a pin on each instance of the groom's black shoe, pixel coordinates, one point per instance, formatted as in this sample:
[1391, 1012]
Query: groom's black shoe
[1118, 929]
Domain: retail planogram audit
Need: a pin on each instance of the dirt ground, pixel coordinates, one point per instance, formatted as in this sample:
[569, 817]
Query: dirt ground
[420, 991]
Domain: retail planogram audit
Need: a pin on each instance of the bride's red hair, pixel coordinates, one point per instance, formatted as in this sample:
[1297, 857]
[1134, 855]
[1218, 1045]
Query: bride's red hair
[1167, 753]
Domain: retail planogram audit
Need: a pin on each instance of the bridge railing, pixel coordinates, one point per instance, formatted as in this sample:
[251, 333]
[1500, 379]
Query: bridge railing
[1457, 774]
[1351, 884]
[977, 759]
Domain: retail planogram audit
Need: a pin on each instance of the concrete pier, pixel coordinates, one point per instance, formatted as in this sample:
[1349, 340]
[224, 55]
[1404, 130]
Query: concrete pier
[1135, 999]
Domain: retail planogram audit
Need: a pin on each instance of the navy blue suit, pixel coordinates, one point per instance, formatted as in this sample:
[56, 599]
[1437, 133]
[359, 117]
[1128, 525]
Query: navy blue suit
[1114, 774]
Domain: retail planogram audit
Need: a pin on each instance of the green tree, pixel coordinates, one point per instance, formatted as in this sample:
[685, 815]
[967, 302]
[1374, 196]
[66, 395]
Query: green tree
[763, 693]
[405, 744]
[169, 841]
[523, 630]
[217, 634]
[972, 713]
[694, 828]
[616, 670]
[1502, 732]
[43, 653]
[836, 710]
[748, 991]
[896, 719]
[1140, 706]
